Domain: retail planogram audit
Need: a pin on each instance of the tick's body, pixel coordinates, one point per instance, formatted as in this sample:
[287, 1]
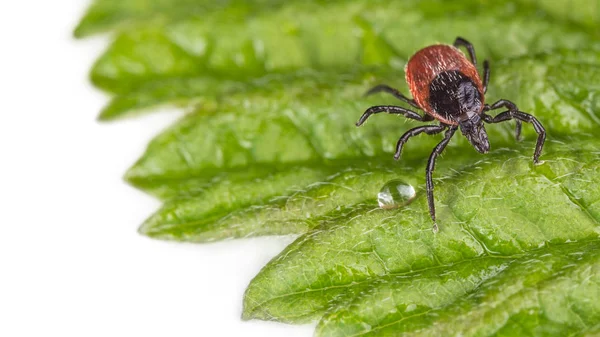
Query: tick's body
[444, 83]
[448, 88]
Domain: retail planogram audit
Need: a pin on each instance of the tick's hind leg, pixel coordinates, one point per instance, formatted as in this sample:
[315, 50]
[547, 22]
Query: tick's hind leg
[521, 116]
[486, 65]
[393, 92]
[462, 42]
[391, 109]
[428, 129]
[429, 172]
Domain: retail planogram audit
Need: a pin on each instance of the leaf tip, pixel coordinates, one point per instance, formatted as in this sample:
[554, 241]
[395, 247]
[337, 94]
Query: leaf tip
[81, 30]
[145, 229]
[246, 316]
[106, 115]
[132, 177]
[247, 305]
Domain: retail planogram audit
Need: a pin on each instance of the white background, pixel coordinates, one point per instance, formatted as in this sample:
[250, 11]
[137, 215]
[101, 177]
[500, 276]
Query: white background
[71, 261]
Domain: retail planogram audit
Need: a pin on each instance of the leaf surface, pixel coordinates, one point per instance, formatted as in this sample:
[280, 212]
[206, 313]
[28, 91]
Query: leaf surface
[489, 216]
[235, 169]
[199, 59]
[269, 147]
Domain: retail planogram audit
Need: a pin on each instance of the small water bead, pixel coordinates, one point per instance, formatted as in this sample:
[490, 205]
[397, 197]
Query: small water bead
[395, 193]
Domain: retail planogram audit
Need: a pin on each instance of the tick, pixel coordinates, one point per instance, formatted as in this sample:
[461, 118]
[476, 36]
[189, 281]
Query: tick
[447, 87]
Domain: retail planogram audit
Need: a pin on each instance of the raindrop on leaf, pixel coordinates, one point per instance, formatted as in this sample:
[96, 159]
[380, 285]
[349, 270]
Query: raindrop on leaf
[395, 193]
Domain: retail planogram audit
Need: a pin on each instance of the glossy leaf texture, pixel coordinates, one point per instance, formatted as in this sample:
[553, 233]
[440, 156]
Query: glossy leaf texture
[198, 59]
[269, 147]
[282, 162]
[501, 216]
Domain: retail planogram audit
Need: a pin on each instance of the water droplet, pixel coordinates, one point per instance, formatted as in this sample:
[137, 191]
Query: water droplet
[395, 193]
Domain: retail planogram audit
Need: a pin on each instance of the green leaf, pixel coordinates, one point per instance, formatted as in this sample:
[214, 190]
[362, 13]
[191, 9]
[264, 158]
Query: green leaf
[232, 173]
[580, 12]
[195, 59]
[547, 292]
[127, 14]
[501, 207]
[269, 147]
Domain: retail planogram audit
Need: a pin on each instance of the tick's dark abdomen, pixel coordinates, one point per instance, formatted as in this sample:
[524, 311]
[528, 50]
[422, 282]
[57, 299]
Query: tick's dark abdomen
[454, 96]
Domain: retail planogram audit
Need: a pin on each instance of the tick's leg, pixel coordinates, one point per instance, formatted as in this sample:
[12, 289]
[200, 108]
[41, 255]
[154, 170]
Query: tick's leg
[431, 166]
[521, 116]
[503, 103]
[538, 127]
[391, 109]
[393, 92]
[486, 65]
[486, 75]
[462, 42]
[428, 129]
[518, 128]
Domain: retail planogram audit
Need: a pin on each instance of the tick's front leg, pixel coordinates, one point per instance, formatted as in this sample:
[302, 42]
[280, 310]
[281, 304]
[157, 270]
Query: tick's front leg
[392, 109]
[504, 103]
[429, 172]
[428, 129]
